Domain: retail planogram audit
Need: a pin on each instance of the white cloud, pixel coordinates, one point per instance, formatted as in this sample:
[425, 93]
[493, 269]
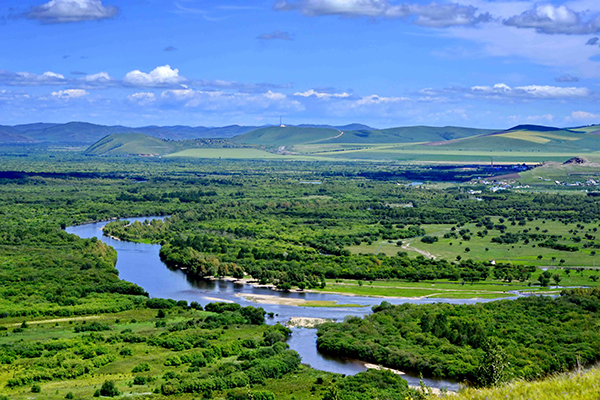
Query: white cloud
[374, 99]
[29, 79]
[69, 94]
[559, 51]
[100, 77]
[275, 96]
[349, 8]
[178, 94]
[321, 95]
[222, 101]
[61, 11]
[142, 98]
[531, 91]
[436, 15]
[159, 76]
[432, 15]
[583, 116]
[551, 19]
[52, 75]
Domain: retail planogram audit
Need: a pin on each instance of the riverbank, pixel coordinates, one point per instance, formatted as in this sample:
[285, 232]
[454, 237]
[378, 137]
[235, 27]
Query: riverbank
[287, 301]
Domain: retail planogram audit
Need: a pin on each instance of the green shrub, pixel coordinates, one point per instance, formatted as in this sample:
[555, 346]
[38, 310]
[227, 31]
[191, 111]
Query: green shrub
[109, 389]
[143, 367]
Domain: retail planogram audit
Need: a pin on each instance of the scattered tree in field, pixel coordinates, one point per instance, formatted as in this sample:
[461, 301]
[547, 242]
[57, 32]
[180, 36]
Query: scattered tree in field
[556, 278]
[109, 389]
[544, 278]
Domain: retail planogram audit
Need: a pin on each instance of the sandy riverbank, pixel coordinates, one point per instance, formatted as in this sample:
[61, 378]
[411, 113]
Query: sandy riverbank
[305, 322]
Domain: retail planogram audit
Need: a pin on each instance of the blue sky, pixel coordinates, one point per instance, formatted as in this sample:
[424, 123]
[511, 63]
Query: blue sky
[479, 63]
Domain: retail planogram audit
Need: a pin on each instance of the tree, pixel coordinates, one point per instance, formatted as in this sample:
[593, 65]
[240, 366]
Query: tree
[556, 278]
[544, 278]
[493, 365]
[333, 393]
[109, 389]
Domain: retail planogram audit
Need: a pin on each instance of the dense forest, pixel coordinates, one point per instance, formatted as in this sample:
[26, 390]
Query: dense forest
[528, 337]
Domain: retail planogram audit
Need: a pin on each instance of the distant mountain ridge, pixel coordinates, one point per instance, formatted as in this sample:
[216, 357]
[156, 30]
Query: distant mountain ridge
[87, 133]
[355, 133]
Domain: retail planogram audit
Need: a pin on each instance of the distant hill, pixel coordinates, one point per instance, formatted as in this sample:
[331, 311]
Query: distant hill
[120, 144]
[534, 128]
[284, 136]
[530, 138]
[409, 134]
[83, 132]
[10, 135]
[349, 127]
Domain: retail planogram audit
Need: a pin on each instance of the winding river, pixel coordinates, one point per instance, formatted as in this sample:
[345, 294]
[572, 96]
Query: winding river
[140, 263]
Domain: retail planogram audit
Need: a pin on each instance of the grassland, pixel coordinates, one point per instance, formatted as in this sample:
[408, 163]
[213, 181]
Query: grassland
[583, 386]
[162, 367]
[240, 154]
[435, 290]
[483, 249]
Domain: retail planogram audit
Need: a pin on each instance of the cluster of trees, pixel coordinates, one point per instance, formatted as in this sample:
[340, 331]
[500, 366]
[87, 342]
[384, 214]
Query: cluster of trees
[216, 256]
[539, 335]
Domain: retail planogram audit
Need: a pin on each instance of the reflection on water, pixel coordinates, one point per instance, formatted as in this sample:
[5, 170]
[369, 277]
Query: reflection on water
[140, 263]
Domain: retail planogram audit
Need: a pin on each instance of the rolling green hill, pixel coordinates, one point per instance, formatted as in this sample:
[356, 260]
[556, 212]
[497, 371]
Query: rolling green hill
[284, 136]
[291, 135]
[560, 140]
[120, 144]
[409, 134]
[520, 144]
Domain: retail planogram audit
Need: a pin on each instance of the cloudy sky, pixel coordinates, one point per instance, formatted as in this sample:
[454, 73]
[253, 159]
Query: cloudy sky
[480, 63]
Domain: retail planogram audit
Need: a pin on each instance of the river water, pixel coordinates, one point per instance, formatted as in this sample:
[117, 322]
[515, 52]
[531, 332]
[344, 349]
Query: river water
[140, 263]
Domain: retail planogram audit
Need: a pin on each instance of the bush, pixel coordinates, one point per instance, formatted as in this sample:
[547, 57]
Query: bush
[143, 367]
[93, 327]
[140, 380]
[126, 352]
[109, 389]
[429, 239]
[36, 389]
[69, 395]
[247, 395]
[160, 303]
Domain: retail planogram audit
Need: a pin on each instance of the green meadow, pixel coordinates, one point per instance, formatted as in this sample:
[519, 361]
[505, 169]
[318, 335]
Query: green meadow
[131, 350]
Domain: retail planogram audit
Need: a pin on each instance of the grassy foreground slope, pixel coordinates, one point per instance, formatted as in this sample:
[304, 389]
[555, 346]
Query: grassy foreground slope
[566, 386]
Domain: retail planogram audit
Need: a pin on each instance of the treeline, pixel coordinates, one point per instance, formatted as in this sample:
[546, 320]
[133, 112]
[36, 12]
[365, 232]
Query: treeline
[537, 336]
[206, 256]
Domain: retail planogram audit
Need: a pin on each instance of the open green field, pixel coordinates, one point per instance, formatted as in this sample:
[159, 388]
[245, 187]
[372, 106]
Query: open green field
[243, 153]
[490, 289]
[483, 249]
